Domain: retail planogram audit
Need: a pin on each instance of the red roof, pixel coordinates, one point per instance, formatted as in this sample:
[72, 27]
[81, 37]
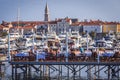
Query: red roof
[91, 22]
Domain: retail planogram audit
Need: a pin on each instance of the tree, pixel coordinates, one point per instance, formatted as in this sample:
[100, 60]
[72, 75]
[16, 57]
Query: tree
[93, 34]
[3, 34]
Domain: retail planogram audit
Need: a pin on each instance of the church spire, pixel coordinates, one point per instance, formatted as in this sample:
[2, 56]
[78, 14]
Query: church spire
[46, 17]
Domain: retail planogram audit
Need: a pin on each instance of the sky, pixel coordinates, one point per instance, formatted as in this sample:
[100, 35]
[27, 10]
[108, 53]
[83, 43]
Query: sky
[33, 10]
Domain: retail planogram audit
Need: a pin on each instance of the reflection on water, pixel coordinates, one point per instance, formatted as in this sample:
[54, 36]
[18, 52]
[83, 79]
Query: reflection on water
[60, 72]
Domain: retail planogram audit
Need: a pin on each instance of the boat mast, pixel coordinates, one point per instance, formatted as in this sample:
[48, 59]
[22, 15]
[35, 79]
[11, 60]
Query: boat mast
[66, 54]
[9, 56]
[18, 18]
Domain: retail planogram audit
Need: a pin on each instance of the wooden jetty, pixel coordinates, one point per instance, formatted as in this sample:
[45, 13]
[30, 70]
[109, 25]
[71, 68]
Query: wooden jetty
[65, 70]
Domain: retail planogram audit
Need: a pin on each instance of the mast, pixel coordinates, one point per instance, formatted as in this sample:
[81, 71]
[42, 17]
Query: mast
[9, 56]
[66, 54]
[18, 18]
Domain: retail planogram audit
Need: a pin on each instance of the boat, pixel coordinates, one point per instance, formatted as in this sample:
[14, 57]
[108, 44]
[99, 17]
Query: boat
[62, 36]
[52, 35]
[14, 35]
[103, 43]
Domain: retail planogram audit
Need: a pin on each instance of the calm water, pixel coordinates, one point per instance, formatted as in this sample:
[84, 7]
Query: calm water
[55, 75]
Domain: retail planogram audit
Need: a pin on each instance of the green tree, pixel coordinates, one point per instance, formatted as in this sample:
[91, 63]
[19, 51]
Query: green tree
[3, 34]
[93, 34]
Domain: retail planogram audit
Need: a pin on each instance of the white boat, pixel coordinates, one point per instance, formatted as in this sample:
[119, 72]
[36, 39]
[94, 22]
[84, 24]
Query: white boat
[103, 43]
[40, 37]
[14, 35]
[75, 34]
[28, 35]
[3, 44]
[52, 35]
[62, 35]
[76, 37]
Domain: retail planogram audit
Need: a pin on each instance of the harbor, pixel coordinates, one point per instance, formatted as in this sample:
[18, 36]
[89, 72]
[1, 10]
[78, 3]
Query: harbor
[60, 49]
[50, 57]
[52, 70]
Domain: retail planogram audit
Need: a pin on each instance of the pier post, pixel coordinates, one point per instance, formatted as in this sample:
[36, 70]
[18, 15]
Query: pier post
[61, 72]
[67, 73]
[79, 72]
[108, 72]
[26, 76]
[13, 72]
[98, 72]
[46, 72]
[29, 72]
[40, 68]
[95, 73]
[16, 75]
[0, 68]
[118, 73]
[43, 72]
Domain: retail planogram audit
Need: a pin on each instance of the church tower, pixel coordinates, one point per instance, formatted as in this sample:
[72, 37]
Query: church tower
[46, 15]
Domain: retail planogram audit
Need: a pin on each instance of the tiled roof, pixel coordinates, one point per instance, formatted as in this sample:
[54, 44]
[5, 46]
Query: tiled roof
[33, 23]
[1, 27]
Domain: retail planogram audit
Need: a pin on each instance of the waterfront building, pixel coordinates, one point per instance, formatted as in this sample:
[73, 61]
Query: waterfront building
[2, 28]
[92, 28]
[63, 25]
[109, 27]
[118, 28]
[53, 26]
[76, 27]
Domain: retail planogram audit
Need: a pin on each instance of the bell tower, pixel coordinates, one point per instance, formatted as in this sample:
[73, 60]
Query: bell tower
[46, 15]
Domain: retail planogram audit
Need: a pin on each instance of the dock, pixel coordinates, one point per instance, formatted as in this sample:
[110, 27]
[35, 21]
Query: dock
[65, 70]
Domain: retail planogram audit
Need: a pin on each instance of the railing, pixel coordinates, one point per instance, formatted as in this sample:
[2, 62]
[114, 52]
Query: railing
[106, 57]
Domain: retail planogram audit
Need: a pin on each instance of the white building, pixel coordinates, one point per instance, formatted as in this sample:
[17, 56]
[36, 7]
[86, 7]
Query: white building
[94, 28]
[63, 25]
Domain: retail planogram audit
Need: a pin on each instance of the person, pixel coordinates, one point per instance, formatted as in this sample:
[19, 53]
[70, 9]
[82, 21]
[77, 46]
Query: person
[81, 50]
[82, 53]
[31, 55]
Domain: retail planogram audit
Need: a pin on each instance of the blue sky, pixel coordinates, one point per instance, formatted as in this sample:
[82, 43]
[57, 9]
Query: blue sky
[33, 10]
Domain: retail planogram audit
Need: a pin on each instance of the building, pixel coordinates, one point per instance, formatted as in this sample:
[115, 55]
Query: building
[46, 15]
[92, 28]
[76, 27]
[107, 27]
[118, 28]
[63, 25]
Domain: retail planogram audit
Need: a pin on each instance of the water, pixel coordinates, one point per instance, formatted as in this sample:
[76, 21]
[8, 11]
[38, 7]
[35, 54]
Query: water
[59, 72]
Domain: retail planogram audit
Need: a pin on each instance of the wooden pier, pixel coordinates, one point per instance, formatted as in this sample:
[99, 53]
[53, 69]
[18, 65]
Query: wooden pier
[65, 70]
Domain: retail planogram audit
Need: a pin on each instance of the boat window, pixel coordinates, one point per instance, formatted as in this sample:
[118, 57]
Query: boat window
[64, 49]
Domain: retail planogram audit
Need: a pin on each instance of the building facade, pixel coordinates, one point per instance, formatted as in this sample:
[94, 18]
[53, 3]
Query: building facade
[92, 28]
[118, 28]
[109, 27]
